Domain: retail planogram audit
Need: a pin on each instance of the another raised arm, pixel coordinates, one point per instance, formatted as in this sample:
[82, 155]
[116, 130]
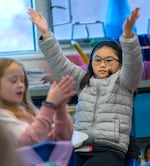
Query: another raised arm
[39, 20]
[129, 22]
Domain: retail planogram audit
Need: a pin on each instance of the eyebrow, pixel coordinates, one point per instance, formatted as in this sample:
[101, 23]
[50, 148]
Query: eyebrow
[105, 57]
[15, 76]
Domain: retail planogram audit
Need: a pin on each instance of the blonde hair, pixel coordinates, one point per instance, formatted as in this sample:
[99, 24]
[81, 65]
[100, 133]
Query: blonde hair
[27, 103]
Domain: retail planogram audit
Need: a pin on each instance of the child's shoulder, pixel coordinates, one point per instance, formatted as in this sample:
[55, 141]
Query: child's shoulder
[5, 112]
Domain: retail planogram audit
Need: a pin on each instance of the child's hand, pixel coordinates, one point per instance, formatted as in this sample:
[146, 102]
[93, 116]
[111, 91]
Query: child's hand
[61, 92]
[47, 78]
[130, 21]
[39, 20]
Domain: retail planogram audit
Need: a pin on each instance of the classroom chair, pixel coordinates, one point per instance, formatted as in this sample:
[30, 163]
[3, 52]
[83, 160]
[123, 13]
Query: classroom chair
[132, 162]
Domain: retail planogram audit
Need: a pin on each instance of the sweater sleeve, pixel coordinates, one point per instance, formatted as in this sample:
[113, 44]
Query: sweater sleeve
[58, 61]
[63, 128]
[23, 133]
[132, 65]
[41, 128]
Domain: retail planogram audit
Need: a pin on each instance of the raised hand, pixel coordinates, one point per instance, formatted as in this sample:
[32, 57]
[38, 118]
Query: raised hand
[48, 78]
[39, 20]
[61, 92]
[129, 22]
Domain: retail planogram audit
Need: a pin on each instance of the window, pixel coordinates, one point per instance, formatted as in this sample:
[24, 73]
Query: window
[76, 19]
[87, 19]
[17, 33]
[69, 19]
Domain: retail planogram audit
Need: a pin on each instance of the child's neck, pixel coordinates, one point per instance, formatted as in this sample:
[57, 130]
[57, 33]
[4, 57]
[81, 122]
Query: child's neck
[9, 106]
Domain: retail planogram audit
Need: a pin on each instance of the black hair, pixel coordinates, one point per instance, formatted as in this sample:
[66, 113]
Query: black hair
[109, 43]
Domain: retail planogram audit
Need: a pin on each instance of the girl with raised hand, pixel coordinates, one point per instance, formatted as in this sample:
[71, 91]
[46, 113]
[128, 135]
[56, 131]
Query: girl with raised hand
[105, 91]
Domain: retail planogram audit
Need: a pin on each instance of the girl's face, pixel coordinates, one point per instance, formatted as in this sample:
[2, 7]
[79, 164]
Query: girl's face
[12, 84]
[105, 62]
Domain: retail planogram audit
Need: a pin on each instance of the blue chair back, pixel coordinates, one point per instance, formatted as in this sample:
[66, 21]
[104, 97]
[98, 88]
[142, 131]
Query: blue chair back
[48, 153]
[146, 164]
[132, 162]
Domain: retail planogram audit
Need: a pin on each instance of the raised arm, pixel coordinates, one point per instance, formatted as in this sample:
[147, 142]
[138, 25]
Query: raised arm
[132, 66]
[39, 20]
[53, 52]
[129, 22]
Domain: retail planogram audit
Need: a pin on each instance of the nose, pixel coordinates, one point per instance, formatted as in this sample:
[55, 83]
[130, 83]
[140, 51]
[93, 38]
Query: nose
[20, 83]
[102, 63]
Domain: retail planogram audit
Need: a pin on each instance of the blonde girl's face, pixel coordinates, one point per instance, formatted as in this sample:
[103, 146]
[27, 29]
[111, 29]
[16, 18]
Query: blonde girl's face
[105, 62]
[12, 86]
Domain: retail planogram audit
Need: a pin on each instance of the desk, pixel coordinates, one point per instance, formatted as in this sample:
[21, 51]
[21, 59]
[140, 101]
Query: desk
[78, 138]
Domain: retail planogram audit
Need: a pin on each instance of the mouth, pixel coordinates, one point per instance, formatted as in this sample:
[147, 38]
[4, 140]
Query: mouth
[20, 93]
[103, 71]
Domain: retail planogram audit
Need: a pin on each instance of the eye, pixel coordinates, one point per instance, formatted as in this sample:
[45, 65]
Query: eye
[109, 60]
[13, 81]
[97, 60]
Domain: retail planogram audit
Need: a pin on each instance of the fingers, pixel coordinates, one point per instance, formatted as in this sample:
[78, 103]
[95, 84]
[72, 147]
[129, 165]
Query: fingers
[47, 78]
[135, 12]
[62, 91]
[67, 83]
[129, 22]
[66, 86]
[134, 15]
[53, 84]
[33, 14]
[39, 20]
